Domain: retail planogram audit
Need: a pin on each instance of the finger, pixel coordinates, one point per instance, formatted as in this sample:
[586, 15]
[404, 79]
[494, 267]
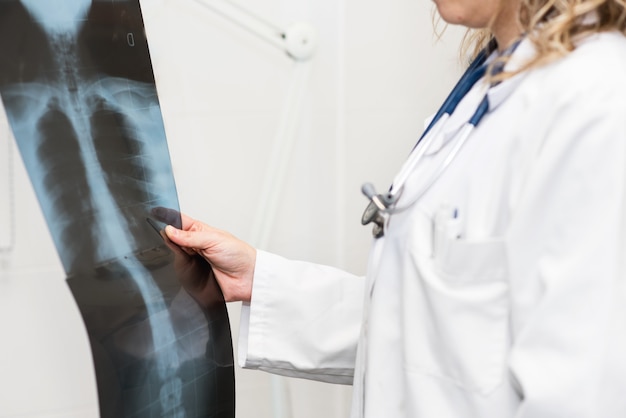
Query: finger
[198, 239]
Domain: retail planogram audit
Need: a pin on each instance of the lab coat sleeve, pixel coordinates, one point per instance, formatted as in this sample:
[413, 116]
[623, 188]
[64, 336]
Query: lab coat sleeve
[567, 255]
[303, 321]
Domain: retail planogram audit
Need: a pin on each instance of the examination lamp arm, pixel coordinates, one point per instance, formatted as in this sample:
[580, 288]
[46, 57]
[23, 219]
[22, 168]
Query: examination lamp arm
[298, 40]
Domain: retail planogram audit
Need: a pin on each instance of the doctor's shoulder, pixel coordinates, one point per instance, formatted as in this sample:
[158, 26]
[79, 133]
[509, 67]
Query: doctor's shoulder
[593, 71]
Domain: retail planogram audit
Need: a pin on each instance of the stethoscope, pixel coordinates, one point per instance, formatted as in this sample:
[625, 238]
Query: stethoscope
[381, 206]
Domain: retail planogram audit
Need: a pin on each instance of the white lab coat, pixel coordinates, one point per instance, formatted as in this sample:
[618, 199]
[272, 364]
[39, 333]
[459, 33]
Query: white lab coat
[516, 307]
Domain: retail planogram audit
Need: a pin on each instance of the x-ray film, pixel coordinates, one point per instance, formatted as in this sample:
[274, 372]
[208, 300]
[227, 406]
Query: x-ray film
[6, 192]
[77, 85]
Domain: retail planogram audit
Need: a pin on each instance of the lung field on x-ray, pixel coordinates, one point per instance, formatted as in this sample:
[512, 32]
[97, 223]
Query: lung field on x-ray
[57, 133]
[78, 87]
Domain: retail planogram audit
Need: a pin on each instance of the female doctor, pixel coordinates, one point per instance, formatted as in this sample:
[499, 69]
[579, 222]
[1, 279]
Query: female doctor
[496, 285]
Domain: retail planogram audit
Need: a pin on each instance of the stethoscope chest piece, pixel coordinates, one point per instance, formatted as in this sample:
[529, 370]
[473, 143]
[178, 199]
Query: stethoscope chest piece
[377, 210]
[373, 214]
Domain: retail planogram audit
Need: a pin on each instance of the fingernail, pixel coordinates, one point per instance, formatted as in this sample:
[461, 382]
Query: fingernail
[170, 230]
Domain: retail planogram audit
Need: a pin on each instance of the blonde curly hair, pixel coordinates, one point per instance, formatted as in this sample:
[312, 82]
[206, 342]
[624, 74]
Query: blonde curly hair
[554, 26]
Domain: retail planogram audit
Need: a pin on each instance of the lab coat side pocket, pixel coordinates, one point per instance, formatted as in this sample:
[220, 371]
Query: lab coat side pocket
[464, 293]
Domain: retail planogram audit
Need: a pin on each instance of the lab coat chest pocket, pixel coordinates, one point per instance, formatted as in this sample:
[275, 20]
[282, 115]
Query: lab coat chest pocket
[464, 306]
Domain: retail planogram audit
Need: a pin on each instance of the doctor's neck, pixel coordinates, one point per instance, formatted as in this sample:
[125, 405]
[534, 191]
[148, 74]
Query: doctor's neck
[506, 27]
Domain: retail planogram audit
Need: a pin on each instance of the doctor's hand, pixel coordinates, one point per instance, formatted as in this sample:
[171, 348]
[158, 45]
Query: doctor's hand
[232, 260]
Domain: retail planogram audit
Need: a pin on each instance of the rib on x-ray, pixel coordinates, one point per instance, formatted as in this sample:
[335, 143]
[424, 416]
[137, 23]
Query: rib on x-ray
[77, 85]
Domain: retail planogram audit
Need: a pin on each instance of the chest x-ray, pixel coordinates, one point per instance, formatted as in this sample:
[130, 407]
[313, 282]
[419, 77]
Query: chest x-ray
[78, 88]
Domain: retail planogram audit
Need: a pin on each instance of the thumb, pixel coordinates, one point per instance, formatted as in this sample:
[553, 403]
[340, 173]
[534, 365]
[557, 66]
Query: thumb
[189, 239]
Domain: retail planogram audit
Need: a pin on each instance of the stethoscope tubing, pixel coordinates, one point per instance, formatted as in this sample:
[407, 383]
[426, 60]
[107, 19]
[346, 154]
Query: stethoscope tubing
[416, 156]
[463, 135]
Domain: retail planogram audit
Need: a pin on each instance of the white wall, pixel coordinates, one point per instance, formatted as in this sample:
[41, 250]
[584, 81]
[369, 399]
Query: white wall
[378, 72]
